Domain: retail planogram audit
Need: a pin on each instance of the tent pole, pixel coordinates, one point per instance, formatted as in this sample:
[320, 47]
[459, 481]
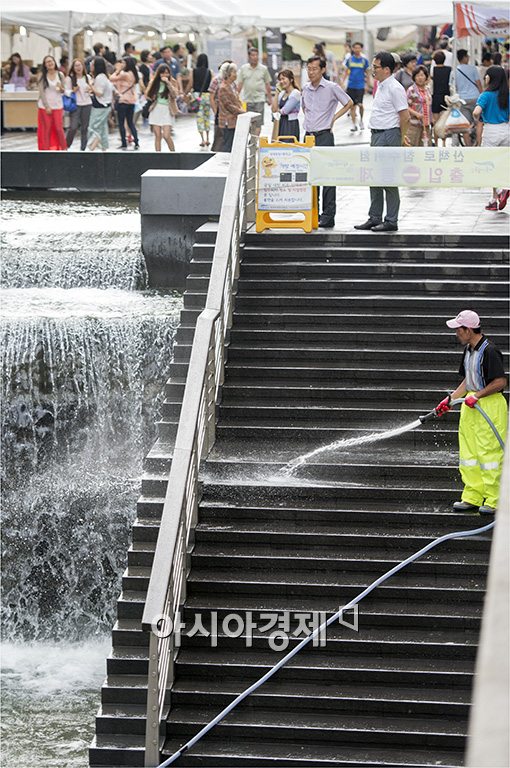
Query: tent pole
[260, 44]
[119, 35]
[453, 77]
[70, 49]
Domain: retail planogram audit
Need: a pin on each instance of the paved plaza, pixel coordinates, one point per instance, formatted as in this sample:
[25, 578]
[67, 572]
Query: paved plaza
[441, 211]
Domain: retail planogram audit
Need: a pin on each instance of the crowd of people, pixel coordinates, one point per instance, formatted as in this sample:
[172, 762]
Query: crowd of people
[101, 92]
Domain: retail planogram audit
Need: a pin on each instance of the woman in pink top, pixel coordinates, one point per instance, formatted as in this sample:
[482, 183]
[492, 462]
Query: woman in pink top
[78, 82]
[125, 80]
[50, 113]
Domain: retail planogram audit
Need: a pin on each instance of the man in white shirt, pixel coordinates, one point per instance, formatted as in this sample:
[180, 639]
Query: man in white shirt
[388, 123]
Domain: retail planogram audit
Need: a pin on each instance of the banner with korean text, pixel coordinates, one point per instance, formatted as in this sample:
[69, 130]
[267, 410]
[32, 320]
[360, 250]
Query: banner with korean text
[474, 19]
[362, 166]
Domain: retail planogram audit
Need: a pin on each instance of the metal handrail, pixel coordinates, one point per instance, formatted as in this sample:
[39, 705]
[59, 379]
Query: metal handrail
[196, 431]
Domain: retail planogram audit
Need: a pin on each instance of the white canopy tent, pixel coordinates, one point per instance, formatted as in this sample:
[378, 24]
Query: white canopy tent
[327, 18]
[210, 15]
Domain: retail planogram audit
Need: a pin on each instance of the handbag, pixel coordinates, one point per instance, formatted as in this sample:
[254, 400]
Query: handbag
[148, 107]
[69, 103]
[97, 104]
[194, 103]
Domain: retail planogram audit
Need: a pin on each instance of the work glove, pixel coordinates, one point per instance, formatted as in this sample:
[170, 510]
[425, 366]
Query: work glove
[471, 401]
[443, 407]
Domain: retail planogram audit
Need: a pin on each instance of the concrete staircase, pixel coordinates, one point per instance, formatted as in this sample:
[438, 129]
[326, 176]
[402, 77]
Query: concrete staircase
[331, 339]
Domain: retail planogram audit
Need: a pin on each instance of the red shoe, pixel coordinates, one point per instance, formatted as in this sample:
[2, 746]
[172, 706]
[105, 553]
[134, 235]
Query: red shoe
[503, 198]
[492, 206]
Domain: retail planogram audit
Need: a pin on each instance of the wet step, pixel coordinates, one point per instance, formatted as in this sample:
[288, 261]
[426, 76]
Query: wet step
[308, 354]
[340, 286]
[296, 726]
[301, 696]
[338, 266]
[247, 752]
[378, 300]
[376, 241]
[403, 586]
[392, 319]
[382, 473]
[374, 611]
[341, 337]
[348, 538]
[299, 371]
[334, 559]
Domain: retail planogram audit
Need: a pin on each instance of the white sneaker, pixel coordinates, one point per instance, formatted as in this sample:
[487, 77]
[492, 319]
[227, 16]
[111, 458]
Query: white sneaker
[354, 129]
[361, 126]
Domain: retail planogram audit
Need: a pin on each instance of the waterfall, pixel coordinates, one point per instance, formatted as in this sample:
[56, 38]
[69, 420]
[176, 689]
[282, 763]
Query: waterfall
[105, 260]
[85, 358]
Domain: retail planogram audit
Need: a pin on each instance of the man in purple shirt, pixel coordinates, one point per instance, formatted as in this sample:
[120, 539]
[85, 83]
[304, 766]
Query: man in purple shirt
[319, 100]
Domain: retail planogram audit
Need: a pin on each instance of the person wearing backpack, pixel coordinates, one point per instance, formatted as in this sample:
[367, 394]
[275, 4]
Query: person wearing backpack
[466, 82]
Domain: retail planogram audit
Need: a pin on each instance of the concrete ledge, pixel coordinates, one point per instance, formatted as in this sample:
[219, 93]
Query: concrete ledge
[488, 742]
[90, 171]
[173, 204]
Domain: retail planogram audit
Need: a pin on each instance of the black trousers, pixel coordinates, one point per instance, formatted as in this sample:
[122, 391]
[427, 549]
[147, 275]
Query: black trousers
[126, 112]
[228, 139]
[328, 193]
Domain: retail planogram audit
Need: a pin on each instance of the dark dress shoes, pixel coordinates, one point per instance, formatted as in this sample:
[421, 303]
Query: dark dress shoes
[385, 227]
[326, 223]
[367, 225]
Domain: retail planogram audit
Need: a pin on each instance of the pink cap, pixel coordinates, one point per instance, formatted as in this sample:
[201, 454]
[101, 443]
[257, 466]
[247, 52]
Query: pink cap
[467, 318]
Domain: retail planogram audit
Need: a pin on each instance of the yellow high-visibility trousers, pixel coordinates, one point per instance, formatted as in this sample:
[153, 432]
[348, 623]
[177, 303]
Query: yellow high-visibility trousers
[480, 454]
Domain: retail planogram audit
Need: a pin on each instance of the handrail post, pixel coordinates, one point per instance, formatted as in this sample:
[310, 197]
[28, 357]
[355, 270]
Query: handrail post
[152, 722]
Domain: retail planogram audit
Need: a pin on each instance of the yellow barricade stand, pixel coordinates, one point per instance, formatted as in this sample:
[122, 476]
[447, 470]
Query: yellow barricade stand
[283, 186]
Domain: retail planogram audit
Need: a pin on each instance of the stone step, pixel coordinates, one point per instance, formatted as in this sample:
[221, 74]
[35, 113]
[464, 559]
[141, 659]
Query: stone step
[340, 267]
[268, 241]
[394, 319]
[362, 373]
[121, 719]
[368, 516]
[251, 752]
[348, 538]
[401, 587]
[307, 354]
[117, 689]
[272, 429]
[334, 560]
[338, 287]
[486, 305]
[334, 472]
[340, 338]
[329, 392]
[381, 642]
[129, 659]
[412, 263]
[183, 722]
[115, 750]
[374, 612]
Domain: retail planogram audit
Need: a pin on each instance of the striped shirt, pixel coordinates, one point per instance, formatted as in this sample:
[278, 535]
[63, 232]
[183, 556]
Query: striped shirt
[481, 365]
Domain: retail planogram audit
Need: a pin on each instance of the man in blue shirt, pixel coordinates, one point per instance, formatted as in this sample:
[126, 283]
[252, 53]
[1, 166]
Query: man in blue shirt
[466, 81]
[169, 59]
[357, 67]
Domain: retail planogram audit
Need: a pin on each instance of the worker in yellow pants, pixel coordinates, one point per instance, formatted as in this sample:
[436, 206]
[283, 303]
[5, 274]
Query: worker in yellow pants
[480, 454]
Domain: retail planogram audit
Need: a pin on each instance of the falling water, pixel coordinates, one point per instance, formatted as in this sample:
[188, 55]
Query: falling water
[349, 442]
[86, 352]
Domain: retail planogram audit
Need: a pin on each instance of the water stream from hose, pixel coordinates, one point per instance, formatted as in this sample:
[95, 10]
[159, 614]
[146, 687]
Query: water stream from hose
[349, 442]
